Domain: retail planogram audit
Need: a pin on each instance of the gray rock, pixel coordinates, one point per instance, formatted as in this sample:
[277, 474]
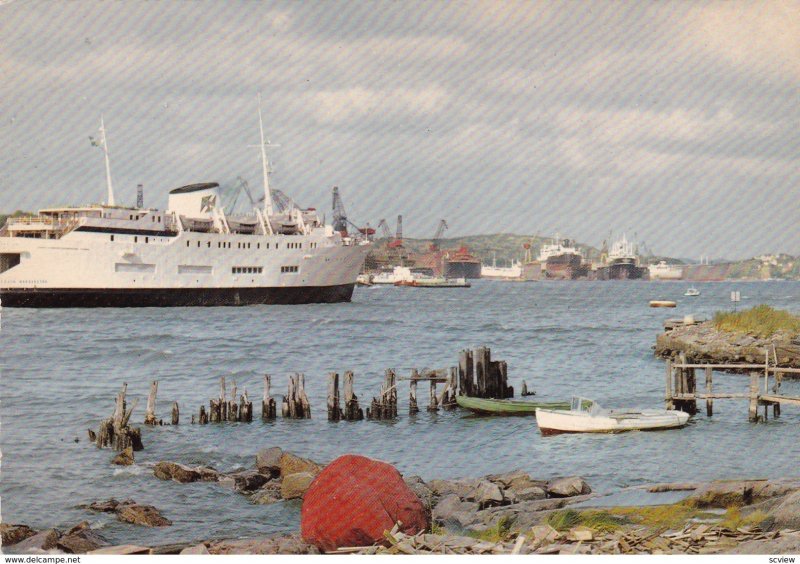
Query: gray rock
[568, 487]
[197, 549]
[80, 539]
[486, 494]
[244, 481]
[266, 496]
[291, 464]
[207, 474]
[173, 471]
[40, 542]
[452, 511]
[787, 514]
[295, 485]
[461, 488]
[531, 494]
[268, 461]
[122, 549]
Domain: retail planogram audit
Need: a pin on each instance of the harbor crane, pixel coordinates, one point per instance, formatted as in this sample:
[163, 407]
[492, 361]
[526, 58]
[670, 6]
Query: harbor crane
[340, 221]
[438, 235]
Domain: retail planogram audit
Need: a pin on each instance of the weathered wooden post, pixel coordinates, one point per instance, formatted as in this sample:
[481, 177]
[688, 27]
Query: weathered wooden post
[481, 361]
[668, 390]
[223, 404]
[432, 402]
[334, 412]
[753, 407]
[449, 395]
[709, 391]
[203, 417]
[465, 373]
[412, 393]
[150, 412]
[175, 413]
[267, 402]
[352, 412]
[304, 403]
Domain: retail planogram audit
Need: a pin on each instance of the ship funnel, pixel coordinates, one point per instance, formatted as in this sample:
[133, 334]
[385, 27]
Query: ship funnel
[195, 201]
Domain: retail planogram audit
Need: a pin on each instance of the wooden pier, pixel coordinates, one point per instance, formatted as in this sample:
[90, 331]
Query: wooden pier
[682, 391]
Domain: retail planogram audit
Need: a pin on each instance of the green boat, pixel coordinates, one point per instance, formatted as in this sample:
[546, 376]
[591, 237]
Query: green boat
[485, 406]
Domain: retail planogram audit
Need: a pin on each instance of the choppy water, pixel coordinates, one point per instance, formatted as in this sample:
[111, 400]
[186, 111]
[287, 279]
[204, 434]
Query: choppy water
[62, 368]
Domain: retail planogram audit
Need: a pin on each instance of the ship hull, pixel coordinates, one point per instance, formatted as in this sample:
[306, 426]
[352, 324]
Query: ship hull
[622, 271]
[456, 269]
[565, 267]
[173, 297]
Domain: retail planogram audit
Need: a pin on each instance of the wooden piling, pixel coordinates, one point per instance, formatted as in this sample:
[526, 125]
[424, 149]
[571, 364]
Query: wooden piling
[115, 432]
[150, 412]
[466, 375]
[352, 412]
[267, 401]
[432, 402]
[223, 405]
[709, 392]
[753, 407]
[412, 393]
[385, 405]
[481, 357]
[334, 411]
[175, 413]
[295, 403]
[668, 390]
[203, 417]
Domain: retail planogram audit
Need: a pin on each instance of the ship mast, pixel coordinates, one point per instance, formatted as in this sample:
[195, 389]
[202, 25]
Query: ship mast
[264, 164]
[103, 145]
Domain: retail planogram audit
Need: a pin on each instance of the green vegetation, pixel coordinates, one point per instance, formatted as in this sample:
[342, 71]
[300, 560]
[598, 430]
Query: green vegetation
[501, 531]
[662, 517]
[601, 521]
[733, 518]
[762, 321]
[18, 213]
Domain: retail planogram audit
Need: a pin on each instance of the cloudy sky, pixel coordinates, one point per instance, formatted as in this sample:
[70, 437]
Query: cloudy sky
[676, 121]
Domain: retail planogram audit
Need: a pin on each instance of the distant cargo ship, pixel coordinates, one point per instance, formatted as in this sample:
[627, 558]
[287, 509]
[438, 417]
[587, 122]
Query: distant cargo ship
[562, 260]
[461, 264]
[501, 272]
[622, 263]
[664, 271]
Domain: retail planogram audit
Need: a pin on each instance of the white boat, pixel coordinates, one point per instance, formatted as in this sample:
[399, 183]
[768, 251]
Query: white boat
[692, 292]
[501, 272]
[190, 254]
[664, 271]
[586, 416]
[392, 277]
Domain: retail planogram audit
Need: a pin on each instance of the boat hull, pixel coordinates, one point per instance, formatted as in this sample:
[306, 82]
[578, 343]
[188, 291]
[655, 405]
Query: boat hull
[484, 406]
[553, 422]
[173, 297]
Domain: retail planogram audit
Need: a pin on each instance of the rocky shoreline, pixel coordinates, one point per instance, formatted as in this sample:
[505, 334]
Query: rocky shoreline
[495, 514]
[704, 343]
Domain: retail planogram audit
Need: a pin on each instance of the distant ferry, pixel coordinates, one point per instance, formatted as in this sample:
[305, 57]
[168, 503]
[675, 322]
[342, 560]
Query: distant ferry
[192, 254]
[664, 271]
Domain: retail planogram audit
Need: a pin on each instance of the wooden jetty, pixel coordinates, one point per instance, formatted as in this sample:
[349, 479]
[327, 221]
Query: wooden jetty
[682, 392]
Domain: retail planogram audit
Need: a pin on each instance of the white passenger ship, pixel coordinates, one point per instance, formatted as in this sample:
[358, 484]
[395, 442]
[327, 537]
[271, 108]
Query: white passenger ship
[192, 254]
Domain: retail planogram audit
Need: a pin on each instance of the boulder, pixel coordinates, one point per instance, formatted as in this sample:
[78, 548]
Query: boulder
[423, 491]
[461, 488]
[40, 542]
[291, 464]
[12, 534]
[207, 474]
[485, 493]
[286, 544]
[109, 506]
[451, 511]
[80, 539]
[124, 458]
[531, 494]
[174, 471]
[294, 486]
[355, 500]
[145, 515]
[197, 549]
[568, 487]
[244, 481]
[725, 493]
[787, 514]
[268, 461]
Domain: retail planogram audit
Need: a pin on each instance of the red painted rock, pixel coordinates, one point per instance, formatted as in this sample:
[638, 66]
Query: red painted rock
[355, 500]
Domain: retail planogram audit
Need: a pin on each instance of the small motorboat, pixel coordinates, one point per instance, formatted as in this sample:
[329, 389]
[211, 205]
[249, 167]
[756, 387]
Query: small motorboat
[586, 416]
[487, 406]
[692, 292]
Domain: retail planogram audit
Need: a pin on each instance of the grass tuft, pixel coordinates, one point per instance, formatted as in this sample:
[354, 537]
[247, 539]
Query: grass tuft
[761, 320]
[601, 521]
[500, 532]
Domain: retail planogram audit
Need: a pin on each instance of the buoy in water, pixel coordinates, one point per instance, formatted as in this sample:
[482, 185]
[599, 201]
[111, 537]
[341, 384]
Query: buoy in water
[662, 303]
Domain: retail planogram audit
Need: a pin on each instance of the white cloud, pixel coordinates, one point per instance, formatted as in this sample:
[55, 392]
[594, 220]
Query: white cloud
[342, 105]
[762, 36]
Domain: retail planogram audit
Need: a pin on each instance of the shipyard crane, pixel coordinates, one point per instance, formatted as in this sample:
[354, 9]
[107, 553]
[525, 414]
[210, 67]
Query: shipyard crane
[384, 227]
[438, 235]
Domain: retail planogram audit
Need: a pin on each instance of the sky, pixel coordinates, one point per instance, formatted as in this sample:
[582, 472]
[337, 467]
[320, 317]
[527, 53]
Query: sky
[677, 123]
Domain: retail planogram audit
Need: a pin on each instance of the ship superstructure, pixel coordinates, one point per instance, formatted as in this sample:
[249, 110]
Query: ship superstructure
[561, 260]
[190, 254]
[622, 262]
